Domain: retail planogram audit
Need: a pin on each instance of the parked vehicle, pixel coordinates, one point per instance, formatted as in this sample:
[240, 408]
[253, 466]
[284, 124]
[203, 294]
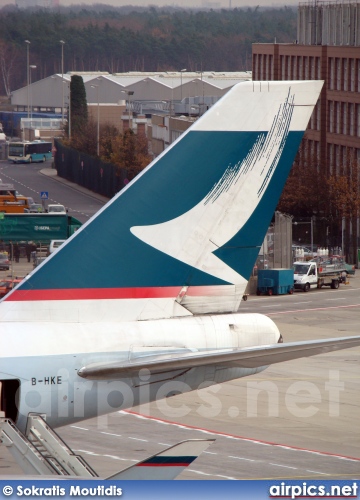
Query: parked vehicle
[7, 285]
[36, 208]
[11, 201]
[40, 228]
[349, 268]
[275, 281]
[54, 245]
[4, 263]
[56, 209]
[316, 274]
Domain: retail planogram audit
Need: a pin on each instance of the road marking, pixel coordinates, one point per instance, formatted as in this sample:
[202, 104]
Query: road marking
[81, 428]
[314, 309]
[240, 438]
[317, 472]
[285, 466]
[242, 458]
[337, 298]
[138, 439]
[111, 434]
[273, 305]
[114, 457]
[201, 473]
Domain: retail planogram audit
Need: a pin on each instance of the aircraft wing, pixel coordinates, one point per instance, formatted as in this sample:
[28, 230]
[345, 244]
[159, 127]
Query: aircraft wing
[167, 464]
[241, 358]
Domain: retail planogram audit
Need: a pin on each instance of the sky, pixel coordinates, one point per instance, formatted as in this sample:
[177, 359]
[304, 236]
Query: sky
[183, 3]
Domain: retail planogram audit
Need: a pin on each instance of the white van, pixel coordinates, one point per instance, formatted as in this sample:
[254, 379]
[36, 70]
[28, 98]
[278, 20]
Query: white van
[56, 209]
[55, 244]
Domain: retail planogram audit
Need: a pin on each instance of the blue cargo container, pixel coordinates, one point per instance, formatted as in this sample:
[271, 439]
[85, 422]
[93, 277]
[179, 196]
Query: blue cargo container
[275, 281]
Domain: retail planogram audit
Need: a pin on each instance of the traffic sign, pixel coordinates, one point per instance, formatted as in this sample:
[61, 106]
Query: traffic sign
[44, 195]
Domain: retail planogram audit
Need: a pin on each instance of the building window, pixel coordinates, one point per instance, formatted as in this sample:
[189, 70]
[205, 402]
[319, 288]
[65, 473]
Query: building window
[301, 68]
[331, 116]
[271, 64]
[345, 69]
[288, 68]
[352, 75]
[338, 116]
[311, 68]
[294, 75]
[352, 118]
[260, 67]
[282, 66]
[344, 118]
[331, 157]
[338, 73]
[337, 159]
[358, 119]
[267, 76]
[331, 73]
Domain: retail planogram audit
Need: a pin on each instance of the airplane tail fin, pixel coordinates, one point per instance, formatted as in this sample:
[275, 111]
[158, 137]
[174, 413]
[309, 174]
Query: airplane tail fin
[183, 236]
[168, 464]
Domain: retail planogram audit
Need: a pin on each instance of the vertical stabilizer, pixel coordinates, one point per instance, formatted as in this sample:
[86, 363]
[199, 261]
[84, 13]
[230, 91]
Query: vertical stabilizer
[182, 238]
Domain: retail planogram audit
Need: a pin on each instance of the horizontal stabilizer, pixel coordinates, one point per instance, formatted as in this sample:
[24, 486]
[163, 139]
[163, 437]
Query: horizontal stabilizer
[168, 464]
[240, 358]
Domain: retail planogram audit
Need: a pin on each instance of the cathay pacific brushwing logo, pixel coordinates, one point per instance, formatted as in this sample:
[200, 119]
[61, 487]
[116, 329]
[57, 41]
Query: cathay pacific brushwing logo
[195, 235]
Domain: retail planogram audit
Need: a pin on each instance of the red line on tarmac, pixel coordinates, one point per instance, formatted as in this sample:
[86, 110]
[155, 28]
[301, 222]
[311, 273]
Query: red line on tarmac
[314, 309]
[240, 438]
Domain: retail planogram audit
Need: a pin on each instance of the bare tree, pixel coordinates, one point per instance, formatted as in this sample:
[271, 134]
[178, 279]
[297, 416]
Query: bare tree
[8, 60]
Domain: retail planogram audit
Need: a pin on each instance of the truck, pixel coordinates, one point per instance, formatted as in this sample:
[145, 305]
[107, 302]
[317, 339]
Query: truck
[11, 201]
[316, 274]
[40, 228]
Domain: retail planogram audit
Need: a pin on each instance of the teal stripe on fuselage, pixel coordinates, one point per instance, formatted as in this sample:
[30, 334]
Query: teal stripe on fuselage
[105, 254]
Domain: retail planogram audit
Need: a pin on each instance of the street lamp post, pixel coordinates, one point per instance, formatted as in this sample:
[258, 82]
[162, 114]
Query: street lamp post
[98, 119]
[27, 74]
[181, 73]
[32, 66]
[62, 78]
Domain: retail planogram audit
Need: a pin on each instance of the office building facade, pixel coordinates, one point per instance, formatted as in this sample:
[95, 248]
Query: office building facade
[327, 48]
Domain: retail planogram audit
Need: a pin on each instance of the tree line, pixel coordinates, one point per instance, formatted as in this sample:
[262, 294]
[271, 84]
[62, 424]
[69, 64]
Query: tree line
[331, 199]
[129, 39]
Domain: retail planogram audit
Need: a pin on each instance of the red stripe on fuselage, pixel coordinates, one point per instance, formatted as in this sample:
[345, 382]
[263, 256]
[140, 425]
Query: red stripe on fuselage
[109, 293]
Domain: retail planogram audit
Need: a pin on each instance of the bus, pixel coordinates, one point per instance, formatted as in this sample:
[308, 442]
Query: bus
[28, 152]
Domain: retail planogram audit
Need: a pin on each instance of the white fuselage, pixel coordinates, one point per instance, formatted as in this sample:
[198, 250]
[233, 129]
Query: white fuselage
[46, 358]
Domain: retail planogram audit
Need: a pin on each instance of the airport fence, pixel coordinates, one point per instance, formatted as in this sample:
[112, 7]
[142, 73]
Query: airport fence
[85, 170]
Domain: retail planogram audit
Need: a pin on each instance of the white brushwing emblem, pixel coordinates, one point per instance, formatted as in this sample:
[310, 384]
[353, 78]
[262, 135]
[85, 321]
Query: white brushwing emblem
[195, 235]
